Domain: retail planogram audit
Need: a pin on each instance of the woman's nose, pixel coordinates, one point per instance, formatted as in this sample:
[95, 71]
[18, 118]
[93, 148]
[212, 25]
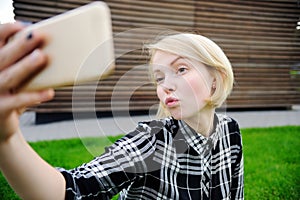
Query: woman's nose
[168, 86]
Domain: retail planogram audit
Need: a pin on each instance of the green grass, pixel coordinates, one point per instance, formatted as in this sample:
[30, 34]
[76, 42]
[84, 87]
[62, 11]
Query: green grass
[272, 160]
[272, 163]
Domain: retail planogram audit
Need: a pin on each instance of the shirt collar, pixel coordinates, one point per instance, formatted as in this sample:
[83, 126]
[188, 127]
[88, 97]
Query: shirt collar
[202, 145]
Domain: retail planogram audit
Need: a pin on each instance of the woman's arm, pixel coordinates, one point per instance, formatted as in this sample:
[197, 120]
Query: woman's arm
[237, 187]
[29, 175]
[26, 172]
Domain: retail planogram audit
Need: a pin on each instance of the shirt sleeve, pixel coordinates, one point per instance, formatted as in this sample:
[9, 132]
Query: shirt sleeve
[105, 176]
[237, 187]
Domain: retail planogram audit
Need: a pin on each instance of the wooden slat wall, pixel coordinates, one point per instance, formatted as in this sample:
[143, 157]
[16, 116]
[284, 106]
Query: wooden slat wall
[262, 43]
[259, 37]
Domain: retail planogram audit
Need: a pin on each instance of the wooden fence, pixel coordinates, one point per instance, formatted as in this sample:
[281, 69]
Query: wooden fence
[259, 37]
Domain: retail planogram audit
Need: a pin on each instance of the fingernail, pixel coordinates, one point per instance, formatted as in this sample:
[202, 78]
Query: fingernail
[34, 55]
[29, 36]
[25, 23]
[48, 93]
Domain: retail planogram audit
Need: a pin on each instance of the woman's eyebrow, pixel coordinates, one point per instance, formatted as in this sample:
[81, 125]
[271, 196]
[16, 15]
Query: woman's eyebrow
[176, 59]
[172, 63]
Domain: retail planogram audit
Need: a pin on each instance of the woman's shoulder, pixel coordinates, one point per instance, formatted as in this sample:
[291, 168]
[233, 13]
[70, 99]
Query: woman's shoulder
[148, 133]
[226, 120]
[155, 130]
[230, 128]
[156, 126]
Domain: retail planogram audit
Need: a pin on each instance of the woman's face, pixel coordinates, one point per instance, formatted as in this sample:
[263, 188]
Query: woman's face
[183, 85]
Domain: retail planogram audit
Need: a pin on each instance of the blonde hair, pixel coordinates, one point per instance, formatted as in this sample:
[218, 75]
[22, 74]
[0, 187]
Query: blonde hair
[204, 50]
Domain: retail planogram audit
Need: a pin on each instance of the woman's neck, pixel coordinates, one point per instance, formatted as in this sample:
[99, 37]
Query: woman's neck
[202, 123]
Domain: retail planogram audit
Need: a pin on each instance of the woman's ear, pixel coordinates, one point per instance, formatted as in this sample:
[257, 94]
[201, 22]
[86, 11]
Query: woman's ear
[213, 86]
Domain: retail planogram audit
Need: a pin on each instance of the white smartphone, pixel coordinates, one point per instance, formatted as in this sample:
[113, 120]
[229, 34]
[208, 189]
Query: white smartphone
[80, 47]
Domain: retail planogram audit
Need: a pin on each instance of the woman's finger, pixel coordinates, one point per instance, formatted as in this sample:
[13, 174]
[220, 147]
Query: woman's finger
[7, 30]
[17, 75]
[25, 99]
[19, 47]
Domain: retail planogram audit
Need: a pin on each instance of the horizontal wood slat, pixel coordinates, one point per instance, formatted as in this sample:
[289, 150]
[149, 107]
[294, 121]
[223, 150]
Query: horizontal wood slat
[259, 37]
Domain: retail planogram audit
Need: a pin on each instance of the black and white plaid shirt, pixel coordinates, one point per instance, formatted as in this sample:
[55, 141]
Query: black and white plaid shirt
[165, 159]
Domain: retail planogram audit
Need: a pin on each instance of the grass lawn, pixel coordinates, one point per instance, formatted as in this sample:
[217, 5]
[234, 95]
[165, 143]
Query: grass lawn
[272, 161]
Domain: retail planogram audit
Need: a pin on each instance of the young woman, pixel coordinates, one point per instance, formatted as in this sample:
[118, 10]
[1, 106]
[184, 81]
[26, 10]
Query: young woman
[190, 152]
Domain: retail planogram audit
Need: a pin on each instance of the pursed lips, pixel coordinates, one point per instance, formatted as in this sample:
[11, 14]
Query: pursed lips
[171, 102]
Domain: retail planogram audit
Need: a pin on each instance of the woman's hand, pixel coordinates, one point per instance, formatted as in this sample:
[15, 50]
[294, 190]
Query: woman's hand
[23, 168]
[20, 60]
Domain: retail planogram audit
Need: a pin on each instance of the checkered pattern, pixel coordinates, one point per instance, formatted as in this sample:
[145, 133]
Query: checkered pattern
[165, 159]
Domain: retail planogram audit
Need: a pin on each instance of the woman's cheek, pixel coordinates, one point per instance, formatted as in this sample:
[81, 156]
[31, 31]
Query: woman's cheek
[159, 93]
[198, 89]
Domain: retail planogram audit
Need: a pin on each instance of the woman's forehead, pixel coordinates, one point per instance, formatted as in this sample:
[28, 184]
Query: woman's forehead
[167, 59]
[164, 58]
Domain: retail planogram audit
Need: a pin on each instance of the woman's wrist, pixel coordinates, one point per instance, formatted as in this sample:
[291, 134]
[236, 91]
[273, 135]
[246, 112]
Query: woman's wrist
[11, 140]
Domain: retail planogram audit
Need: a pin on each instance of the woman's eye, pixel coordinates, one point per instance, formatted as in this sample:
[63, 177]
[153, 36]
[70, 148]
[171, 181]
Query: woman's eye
[182, 70]
[159, 79]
